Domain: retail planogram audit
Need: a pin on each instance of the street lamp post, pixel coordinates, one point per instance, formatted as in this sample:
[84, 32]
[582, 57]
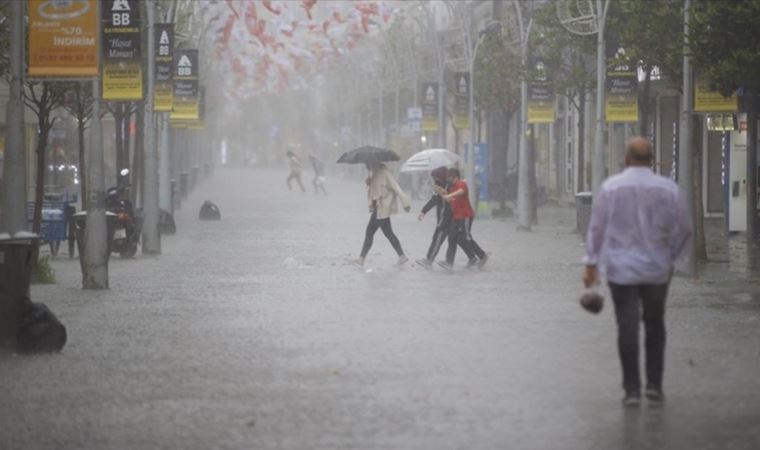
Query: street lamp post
[471, 157]
[96, 252]
[598, 166]
[14, 167]
[685, 159]
[587, 22]
[524, 195]
[151, 235]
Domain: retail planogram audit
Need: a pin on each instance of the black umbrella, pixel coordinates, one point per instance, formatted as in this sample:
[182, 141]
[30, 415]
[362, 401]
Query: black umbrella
[368, 155]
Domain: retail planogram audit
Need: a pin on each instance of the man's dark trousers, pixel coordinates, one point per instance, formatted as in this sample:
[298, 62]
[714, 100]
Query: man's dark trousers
[629, 302]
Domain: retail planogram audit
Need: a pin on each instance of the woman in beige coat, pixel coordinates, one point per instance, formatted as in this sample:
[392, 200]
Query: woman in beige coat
[383, 194]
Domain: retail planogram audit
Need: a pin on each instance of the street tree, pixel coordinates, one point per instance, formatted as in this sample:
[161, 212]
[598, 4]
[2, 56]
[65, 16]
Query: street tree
[497, 74]
[78, 102]
[570, 70]
[649, 34]
[42, 97]
[122, 116]
[724, 42]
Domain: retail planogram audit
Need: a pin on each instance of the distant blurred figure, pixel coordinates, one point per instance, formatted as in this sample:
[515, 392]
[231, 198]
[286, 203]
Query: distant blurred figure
[458, 196]
[295, 171]
[383, 193]
[639, 226]
[443, 217]
[319, 174]
[209, 211]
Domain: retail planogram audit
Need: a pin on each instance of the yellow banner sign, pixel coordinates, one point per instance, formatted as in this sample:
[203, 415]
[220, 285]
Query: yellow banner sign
[162, 100]
[185, 108]
[63, 38]
[462, 101]
[430, 106]
[164, 42]
[621, 108]
[121, 42]
[186, 96]
[706, 100]
[122, 81]
[541, 112]
[621, 103]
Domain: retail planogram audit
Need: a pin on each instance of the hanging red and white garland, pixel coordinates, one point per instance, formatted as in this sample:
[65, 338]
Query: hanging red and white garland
[275, 46]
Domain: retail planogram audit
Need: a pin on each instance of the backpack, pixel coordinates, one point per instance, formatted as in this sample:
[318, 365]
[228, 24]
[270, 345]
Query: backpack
[40, 331]
[209, 211]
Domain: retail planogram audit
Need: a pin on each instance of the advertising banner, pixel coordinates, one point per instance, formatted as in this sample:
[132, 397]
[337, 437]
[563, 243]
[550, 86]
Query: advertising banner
[199, 124]
[414, 119]
[430, 99]
[121, 40]
[622, 100]
[462, 100]
[541, 100]
[541, 104]
[63, 38]
[162, 99]
[706, 100]
[185, 96]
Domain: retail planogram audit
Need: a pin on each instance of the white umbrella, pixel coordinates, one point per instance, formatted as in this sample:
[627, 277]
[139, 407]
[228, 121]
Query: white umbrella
[430, 159]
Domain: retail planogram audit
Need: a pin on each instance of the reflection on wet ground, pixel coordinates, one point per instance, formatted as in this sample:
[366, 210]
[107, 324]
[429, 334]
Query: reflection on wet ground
[257, 332]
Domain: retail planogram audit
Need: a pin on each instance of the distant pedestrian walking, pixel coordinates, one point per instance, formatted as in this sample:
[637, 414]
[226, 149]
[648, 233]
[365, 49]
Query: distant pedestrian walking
[383, 194]
[639, 226]
[319, 174]
[443, 221]
[295, 171]
[462, 215]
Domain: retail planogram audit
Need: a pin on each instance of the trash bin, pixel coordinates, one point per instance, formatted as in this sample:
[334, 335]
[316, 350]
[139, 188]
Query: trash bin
[80, 223]
[583, 212]
[17, 256]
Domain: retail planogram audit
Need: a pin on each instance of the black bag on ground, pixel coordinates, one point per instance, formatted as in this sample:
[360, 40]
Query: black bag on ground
[40, 331]
[209, 211]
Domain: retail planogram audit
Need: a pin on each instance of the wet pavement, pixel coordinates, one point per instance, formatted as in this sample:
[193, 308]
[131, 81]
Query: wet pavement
[258, 332]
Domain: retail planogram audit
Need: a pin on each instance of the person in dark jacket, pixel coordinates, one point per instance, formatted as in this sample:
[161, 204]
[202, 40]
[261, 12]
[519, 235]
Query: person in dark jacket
[443, 222]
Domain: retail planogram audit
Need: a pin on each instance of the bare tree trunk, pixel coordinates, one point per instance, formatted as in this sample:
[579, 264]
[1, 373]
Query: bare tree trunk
[137, 159]
[82, 164]
[127, 124]
[700, 252]
[39, 189]
[503, 193]
[118, 118]
[580, 181]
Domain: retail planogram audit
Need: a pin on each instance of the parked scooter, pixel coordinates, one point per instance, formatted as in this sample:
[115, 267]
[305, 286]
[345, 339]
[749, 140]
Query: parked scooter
[128, 226]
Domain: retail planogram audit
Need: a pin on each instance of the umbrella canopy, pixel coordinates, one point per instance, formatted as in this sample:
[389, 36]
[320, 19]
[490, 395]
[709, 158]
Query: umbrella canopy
[368, 155]
[430, 159]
